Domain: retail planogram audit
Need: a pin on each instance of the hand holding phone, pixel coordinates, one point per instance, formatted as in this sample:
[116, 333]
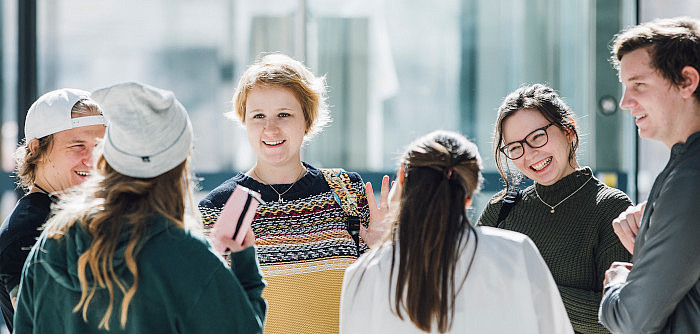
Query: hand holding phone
[234, 222]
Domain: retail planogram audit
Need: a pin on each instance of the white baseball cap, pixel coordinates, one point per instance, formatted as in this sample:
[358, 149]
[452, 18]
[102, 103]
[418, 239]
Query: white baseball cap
[149, 132]
[51, 113]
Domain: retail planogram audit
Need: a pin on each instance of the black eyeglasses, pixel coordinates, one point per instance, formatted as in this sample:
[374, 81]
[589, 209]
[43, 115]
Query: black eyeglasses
[534, 139]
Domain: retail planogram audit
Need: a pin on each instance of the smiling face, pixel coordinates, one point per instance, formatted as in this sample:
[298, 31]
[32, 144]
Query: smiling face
[69, 159]
[652, 100]
[276, 125]
[547, 164]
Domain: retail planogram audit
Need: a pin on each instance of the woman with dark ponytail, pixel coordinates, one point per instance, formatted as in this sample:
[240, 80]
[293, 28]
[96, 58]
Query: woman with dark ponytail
[440, 274]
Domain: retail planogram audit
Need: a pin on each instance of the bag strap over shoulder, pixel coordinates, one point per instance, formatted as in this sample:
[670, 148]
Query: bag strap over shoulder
[509, 201]
[340, 184]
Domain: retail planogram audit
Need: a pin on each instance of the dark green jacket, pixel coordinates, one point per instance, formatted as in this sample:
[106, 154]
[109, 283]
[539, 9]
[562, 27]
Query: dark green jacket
[183, 287]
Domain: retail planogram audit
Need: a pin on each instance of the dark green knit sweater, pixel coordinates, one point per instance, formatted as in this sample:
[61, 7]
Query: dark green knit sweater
[576, 241]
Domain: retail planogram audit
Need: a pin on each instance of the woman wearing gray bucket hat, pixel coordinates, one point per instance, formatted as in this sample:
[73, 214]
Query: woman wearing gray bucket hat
[120, 254]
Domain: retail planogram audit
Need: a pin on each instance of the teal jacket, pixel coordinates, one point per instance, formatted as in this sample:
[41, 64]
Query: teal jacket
[183, 287]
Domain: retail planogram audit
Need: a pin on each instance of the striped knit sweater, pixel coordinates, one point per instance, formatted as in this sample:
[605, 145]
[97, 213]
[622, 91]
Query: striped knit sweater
[577, 241]
[303, 248]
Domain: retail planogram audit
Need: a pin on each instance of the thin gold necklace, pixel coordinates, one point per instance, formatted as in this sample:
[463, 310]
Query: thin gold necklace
[279, 195]
[551, 207]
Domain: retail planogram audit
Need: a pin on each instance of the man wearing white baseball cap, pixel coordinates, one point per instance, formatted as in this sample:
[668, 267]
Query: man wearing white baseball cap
[61, 130]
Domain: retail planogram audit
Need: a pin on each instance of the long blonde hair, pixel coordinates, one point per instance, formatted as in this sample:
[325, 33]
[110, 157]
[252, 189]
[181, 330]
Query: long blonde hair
[106, 205]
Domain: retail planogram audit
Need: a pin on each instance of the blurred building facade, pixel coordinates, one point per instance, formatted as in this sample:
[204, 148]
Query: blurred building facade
[395, 70]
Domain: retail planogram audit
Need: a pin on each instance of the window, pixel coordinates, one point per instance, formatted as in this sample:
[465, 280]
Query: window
[396, 69]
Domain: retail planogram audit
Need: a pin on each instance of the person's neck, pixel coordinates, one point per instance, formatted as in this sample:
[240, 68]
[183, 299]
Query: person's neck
[42, 186]
[687, 126]
[277, 174]
[572, 167]
[683, 135]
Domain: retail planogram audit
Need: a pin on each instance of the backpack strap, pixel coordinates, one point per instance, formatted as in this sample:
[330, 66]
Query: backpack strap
[339, 182]
[509, 200]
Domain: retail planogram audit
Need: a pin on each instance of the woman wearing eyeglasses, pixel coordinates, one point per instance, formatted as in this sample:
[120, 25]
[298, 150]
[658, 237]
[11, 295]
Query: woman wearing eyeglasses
[567, 212]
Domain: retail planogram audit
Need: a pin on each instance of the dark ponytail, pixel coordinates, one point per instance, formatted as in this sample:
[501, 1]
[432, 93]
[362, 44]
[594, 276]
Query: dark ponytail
[441, 171]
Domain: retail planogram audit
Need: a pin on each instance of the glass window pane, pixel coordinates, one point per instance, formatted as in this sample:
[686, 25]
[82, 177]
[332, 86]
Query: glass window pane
[396, 69]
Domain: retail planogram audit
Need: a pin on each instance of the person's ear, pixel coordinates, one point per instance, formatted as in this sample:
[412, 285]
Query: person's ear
[468, 202]
[401, 173]
[691, 78]
[570, 129]
[33, 145]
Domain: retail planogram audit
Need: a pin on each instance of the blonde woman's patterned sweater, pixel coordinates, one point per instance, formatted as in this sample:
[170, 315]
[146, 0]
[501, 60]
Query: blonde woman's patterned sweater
[303, 247]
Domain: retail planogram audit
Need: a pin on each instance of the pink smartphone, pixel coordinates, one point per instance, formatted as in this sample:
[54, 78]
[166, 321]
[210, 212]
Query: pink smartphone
[236, 217]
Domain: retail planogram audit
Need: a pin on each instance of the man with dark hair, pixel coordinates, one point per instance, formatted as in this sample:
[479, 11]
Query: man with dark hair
[61, 130]
[659, 292]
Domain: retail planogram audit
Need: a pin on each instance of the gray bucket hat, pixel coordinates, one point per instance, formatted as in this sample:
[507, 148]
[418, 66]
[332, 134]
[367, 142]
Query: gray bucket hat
[148, 131]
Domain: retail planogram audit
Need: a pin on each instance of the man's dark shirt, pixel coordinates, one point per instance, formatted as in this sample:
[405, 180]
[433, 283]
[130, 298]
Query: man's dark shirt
[18, 234]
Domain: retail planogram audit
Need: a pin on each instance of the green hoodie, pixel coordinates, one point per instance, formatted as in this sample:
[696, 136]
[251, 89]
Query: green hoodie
[183, 287]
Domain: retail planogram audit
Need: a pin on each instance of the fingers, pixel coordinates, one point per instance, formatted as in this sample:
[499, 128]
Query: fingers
[377, 230]
[624, 233]
[634, 216]
[370, 199]
[376, 234]
[363, 232]
[234, 246]
[249, 239]
[394, 194]
[626, 225]
[384, 194]
[617, 273]
[638, 212]
[621, 264]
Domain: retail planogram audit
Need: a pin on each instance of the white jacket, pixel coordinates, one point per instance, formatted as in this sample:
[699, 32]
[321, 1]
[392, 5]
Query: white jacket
[509, 289]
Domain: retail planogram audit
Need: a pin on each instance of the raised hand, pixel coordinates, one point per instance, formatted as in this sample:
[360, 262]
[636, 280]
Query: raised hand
[379, 225]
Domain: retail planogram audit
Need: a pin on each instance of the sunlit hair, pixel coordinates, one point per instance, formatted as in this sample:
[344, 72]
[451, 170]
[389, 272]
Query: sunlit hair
[442, 170]
[672, 44]
[278, 70]
[27, 161]
[535, 97]
[105, 206]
